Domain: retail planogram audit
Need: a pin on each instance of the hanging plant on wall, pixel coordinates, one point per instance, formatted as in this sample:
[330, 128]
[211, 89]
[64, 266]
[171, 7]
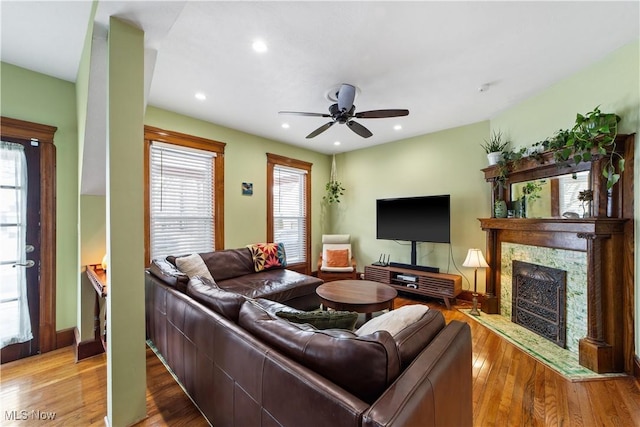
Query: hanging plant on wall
[334, 187]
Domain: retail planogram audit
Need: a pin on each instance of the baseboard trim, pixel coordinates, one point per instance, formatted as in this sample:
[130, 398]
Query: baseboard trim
[65, 337]
[86, 349]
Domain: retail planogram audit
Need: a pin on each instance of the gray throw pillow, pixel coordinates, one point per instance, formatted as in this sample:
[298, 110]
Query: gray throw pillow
[322, 319]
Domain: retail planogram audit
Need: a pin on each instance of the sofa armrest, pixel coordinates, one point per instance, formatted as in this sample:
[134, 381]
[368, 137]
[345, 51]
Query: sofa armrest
[435, 390]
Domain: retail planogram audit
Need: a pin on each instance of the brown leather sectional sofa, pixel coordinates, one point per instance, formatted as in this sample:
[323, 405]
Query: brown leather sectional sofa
[244, 366]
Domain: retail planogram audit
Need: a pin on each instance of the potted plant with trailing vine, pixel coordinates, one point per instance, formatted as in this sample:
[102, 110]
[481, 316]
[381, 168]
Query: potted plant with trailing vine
[334, 187]
[593, 134]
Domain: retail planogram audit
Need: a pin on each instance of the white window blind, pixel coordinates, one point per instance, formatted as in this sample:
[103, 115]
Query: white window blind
[289, 212]
[181, 192]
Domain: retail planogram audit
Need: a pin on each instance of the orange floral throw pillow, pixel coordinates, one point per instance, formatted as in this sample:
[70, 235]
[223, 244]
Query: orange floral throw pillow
[337, 257]
[268, 255]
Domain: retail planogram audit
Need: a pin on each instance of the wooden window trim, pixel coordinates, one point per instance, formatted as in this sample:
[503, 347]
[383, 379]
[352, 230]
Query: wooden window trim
[176, 138]
[20, 129]
[272, 161]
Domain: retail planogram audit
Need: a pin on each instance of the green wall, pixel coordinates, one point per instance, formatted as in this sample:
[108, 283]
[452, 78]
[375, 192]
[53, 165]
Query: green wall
[34, 97]
[246, 161]
[446, 162]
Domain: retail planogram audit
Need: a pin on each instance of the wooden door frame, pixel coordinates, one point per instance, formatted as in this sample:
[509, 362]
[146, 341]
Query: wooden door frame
[20, 129]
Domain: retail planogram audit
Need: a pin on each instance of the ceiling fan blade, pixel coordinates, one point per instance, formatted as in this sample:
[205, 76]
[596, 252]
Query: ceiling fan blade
[320, 130]
[359, 129]
[346, 95]
[300, 113]
[380, 114]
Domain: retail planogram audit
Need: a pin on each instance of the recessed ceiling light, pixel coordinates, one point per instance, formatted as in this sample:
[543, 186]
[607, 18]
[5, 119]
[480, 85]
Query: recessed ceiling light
[285, 125]
[336, 143]
[397, 127]
[259, 46]
[201, 96]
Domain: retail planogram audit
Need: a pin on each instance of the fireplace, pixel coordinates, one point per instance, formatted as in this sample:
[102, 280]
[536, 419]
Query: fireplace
[539, 300]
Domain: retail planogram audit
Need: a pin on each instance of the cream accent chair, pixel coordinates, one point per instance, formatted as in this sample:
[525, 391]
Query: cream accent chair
[336, 242]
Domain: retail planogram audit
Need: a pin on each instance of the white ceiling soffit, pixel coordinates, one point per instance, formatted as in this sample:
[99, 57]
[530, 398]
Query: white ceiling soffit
[94, 155]
[429, 57]
[44, 36]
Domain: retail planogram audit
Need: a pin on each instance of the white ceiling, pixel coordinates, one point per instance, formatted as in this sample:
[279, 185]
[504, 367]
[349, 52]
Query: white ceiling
[428, 57]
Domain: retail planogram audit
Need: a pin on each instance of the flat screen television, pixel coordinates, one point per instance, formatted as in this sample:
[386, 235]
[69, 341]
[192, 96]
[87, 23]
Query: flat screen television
[414, 219]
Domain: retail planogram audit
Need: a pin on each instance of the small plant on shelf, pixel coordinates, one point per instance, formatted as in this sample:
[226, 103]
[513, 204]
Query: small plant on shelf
[494, 147]
[494, 144]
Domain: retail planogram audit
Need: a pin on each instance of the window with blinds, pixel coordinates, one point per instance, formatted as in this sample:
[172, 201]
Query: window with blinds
[290, 212]
[181, 199]
[570, 188]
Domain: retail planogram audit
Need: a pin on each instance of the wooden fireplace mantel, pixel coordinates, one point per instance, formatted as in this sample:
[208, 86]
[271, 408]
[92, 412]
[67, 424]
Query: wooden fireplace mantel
[608, 241]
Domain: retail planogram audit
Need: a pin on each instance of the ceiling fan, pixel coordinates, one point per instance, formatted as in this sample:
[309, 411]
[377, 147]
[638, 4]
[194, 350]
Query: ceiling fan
[344, 112]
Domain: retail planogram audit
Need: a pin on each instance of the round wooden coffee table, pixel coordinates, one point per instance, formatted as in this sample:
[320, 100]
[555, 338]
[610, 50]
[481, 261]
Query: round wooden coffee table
[362, 296]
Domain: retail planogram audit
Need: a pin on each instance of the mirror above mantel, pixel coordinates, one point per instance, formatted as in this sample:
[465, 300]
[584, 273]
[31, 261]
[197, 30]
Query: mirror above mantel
[557, 196]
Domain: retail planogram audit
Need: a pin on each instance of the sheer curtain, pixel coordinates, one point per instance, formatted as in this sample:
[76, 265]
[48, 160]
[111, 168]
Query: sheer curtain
[15, 325]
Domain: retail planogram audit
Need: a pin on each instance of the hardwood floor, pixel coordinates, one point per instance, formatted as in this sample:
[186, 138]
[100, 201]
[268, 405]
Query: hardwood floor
[510, 389]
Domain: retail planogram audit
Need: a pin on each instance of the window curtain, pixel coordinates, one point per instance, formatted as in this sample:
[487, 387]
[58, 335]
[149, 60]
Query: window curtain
[15, 324]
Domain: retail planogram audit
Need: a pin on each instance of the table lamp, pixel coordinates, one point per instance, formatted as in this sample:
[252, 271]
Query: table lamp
[475, 259]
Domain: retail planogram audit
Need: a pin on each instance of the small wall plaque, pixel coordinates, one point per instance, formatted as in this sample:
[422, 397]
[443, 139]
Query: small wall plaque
[247, 189]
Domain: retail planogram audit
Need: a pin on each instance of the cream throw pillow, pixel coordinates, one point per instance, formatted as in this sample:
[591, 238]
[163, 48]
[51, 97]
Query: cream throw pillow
[394, 321]
[193, 265]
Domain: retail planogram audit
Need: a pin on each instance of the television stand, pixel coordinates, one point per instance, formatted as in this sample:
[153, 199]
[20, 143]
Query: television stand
[438, 285]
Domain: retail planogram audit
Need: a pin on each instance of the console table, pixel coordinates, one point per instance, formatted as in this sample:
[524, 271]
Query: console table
[438, 285]
[98, 278]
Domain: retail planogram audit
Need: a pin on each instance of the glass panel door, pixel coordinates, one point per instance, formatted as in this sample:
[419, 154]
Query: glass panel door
[15, 324]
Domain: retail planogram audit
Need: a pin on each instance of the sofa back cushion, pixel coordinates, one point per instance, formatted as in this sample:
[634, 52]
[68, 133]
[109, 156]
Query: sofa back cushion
[364, 366]
[222, 302]
[169, 274]
[411, 326]
[415, 337]
[228, 263]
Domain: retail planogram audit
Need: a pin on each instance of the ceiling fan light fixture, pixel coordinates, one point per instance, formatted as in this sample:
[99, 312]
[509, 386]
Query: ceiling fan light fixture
[331, 94]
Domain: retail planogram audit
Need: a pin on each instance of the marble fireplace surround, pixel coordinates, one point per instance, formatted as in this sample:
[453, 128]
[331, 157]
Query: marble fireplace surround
[573, 262]
[589, 250]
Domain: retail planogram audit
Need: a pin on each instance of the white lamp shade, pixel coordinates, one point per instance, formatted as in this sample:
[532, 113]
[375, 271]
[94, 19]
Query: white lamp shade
[475, 259]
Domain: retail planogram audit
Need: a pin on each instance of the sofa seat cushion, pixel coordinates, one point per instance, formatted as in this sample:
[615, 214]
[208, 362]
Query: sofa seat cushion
[222, 302]
[278, 285]
[363, 366]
